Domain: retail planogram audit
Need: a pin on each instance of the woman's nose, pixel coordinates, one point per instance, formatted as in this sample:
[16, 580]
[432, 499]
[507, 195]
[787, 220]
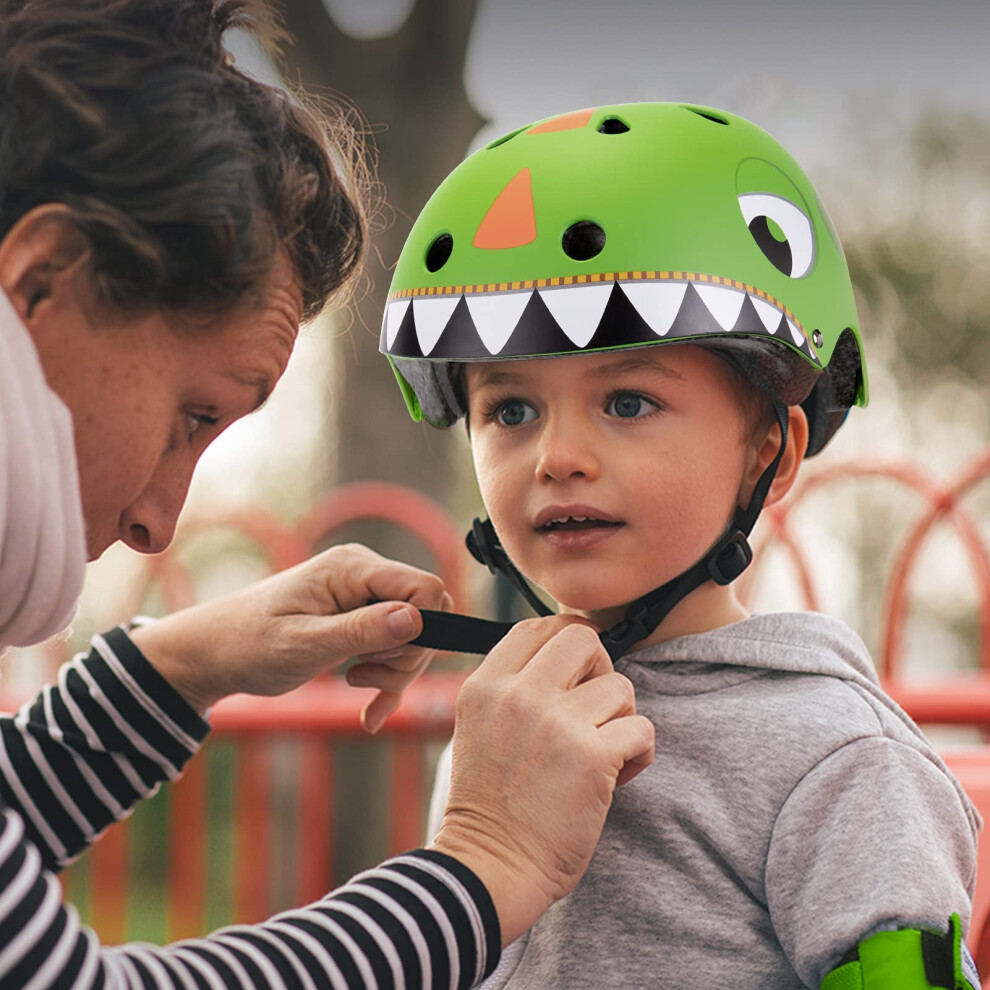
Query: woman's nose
[147, 525]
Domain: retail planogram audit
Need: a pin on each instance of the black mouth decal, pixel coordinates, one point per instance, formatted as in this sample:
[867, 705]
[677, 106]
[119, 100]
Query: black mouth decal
[571, 318]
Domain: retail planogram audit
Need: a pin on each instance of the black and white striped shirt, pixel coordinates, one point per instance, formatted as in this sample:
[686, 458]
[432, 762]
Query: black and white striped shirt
[111, 730]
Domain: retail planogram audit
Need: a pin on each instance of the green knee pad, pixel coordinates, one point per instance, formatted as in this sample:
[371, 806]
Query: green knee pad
[907, 959]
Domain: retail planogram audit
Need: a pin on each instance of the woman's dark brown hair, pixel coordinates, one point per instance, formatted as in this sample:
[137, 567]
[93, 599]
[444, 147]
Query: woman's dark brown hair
[188, 177]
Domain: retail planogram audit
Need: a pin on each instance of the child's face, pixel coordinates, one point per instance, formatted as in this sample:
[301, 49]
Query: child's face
[606, 475]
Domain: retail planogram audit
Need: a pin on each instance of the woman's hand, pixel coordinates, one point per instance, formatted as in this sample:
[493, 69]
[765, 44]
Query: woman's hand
[279, 633]
[545, 731]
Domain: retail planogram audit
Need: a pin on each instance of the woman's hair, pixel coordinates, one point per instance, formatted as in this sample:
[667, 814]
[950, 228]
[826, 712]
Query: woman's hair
[188, 178]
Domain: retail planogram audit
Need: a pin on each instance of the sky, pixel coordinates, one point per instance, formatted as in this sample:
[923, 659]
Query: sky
[799, 68]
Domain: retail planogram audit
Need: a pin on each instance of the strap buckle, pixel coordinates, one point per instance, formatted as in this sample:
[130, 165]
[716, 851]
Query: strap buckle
[727, 561]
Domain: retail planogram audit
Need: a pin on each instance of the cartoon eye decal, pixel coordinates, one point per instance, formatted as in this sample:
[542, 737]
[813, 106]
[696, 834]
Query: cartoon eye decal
[781, 230]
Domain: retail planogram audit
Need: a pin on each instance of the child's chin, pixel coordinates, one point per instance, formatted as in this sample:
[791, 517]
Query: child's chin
[593, 606]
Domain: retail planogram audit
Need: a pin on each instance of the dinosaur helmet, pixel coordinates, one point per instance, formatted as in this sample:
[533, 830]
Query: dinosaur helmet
[624, 226]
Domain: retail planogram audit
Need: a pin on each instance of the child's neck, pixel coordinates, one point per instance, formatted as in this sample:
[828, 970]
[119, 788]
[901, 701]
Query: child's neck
[709, 607]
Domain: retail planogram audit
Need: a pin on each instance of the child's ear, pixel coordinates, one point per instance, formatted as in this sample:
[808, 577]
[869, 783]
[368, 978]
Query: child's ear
[790, 463]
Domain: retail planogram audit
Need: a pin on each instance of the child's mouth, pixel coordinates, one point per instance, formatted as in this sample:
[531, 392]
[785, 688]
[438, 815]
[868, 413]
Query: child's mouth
[575, 533]
[577, 523]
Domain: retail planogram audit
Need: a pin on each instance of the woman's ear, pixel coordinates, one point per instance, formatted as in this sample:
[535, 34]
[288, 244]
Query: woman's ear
[766, 450]
[38, 256]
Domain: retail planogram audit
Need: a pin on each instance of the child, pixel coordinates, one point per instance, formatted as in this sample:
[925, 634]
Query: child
[796, 830]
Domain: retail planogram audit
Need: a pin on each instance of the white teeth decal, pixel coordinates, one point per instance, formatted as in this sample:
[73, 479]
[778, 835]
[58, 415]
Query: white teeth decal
[496, 316]
[657, 302]
[394, 316]
[432, 314]
[578, 309]
[769, 315]
[724, 304]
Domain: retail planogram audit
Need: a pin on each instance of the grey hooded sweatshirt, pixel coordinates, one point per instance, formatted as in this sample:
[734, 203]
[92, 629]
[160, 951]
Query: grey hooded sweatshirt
[793, 809]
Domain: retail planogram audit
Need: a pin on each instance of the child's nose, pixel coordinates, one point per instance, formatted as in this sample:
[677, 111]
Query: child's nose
[567, 452]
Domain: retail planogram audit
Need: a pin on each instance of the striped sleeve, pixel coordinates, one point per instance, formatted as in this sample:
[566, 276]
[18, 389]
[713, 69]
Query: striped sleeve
[109, 733]
[88, 748]
[419, 920]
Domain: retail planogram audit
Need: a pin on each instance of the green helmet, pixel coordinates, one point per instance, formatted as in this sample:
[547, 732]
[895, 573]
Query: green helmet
[624, 226]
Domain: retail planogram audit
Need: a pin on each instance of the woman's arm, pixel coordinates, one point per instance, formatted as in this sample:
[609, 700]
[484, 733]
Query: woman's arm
[108, 733]
[419, 920]
[88, 748]
[545, 730]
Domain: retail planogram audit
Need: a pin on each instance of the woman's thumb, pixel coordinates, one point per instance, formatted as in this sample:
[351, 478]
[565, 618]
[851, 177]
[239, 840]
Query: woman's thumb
[382, 626]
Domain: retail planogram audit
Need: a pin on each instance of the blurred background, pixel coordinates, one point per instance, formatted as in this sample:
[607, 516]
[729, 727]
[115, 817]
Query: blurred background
[885, 104]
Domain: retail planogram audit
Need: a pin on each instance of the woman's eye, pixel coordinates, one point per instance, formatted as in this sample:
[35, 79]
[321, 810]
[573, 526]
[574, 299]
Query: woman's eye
[196, 420]
[629, 405]
[514, 412]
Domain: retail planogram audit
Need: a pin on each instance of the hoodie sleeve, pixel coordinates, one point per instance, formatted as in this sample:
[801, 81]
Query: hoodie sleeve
[873, 837]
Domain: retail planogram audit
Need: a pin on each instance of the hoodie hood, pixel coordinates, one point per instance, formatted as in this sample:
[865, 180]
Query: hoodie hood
[802, 643]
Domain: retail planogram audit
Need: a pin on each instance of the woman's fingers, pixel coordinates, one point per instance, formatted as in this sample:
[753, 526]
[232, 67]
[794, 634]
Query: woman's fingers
[604, 698]
[377, 711]
[632, 739]
[395, 675]
[573, 654]
[346, 577]
[518, 648]
[391, 677]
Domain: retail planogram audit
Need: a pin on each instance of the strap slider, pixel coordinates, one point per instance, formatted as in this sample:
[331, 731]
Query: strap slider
[630, 630]
[730, 559]
[484, 546]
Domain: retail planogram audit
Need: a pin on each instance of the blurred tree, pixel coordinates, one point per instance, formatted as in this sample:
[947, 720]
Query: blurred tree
[915, 221]
[410, 87]
[919, 255]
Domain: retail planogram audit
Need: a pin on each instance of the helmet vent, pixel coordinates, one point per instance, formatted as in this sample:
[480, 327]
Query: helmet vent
[439, 252]
[583, 240]
[708, 115]
[505, 137]
[612, 125]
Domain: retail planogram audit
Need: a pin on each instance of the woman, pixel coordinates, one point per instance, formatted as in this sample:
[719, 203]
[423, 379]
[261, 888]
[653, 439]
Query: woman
[165, 225]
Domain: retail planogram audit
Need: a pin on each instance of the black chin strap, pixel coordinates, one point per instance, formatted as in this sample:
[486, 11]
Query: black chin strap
[484, 545]
[723, 563]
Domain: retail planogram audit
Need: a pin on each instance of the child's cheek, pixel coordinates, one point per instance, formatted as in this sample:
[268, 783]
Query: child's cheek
[493, 482]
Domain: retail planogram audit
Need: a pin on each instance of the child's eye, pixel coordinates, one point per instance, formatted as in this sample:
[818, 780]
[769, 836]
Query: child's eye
[630, 405]
[512, 412]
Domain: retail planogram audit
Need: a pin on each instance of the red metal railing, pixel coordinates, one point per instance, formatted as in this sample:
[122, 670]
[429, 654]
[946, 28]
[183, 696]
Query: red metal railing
[328, 709]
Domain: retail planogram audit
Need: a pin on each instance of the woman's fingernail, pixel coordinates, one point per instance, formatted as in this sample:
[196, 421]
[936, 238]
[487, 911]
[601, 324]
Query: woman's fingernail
[401, 623]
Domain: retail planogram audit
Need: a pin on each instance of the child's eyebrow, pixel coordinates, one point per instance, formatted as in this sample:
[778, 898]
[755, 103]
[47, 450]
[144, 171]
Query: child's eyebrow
[491, 376]
[634, 363]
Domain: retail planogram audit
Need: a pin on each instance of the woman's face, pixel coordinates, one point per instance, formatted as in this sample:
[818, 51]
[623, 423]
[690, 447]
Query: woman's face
[149, 395]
